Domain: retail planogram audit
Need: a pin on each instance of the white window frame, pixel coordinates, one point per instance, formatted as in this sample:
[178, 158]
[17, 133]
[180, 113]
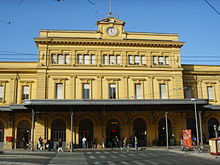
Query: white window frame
[167, 60]
[163, 91]
[25, 92]
[59, 91]
[79, 59]
[118, 59]
[85, 88]
[93, 59]
[53, 59]
[2, 93]
[111, 95]
[138, 91]
[60, 59]
[136, 60]
[67, 59]
[210, 92]
[160, 60]
[155, 60]
[111, 59]
[143, 60]
[105, 59]
[130, 59]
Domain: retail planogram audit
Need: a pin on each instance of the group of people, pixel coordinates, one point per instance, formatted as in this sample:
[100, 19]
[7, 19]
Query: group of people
[48, 144]
[117, 143]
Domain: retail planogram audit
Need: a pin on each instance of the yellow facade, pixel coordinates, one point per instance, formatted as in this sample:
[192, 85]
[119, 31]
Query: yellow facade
[134, 65]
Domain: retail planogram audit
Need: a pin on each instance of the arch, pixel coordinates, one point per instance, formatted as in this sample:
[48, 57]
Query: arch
[23, 133]
[94, 122]
[86, 130]
[2, 129]
[140, 131]
[162, 132]
[140, 116]
[211, 130]
[112, 132]
[115, 117]
[54, 117]
[191, 124]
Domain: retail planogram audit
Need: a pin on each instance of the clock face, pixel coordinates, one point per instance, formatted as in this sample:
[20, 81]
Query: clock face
[111, 31]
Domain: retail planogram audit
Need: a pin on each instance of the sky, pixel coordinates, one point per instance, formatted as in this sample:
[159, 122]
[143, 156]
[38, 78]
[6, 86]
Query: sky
[196, 23]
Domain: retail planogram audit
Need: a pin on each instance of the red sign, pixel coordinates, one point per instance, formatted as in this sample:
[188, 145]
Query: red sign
[187, 138]
[114, 130]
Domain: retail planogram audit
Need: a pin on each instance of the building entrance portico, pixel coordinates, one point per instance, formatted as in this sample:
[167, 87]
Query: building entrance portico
[112, 131]
[23, 133]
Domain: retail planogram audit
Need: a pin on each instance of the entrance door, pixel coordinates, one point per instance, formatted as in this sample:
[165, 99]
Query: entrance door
[58, 131]
[1, 135]
[23, 131]
[140, 131]
[86, 130]
[112, 131]
[162, 132]
[211, 122]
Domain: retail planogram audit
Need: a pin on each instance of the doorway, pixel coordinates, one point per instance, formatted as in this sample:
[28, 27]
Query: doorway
[140, 131]
[211, 122]
[162, 132]
[112, 131]
[86, 130]
[1, 135]
[58, 131]
[23, 131]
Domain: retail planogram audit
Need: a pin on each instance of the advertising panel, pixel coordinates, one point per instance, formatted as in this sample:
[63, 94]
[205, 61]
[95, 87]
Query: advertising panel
[187, 138]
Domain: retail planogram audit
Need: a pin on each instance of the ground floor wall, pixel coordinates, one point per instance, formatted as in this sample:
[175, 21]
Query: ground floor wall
[148, 127]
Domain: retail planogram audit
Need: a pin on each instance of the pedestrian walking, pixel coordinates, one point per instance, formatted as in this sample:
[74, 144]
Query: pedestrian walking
[103, 142]
[60, 146]
[84, 142]
[136, 142]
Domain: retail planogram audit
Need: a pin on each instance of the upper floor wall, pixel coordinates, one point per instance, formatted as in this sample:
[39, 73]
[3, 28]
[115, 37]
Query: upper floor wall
[110, 45]
[202, 81]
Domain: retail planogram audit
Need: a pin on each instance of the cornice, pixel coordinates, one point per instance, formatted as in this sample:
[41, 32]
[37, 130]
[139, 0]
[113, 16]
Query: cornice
[106, 42]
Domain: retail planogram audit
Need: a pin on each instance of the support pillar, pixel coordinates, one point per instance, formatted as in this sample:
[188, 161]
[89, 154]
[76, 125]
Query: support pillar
[167, 131]
[32, 130]
[71, 143]
[201, 132]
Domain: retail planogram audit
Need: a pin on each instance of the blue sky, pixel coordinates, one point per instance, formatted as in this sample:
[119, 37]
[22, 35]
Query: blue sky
[197, 24]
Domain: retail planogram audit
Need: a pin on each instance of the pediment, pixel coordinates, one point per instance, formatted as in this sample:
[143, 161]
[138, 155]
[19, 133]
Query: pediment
[111, 20]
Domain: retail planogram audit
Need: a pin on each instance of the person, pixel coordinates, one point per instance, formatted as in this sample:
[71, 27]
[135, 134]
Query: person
[103, 142]
[24, 143]
[136, 142]
[94, 143]
[84, 141]
[116, 142]
[60, 146]
[125, 142]
[40, 143]
[48, 145]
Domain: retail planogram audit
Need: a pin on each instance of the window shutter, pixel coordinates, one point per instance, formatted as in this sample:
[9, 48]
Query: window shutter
[163, 91]
[136, 60]
[59, 91]
[118, 60]
[93, 59]
[210, 93]
[143, 60]
[1, 92]
[138, 91]
[86, 59]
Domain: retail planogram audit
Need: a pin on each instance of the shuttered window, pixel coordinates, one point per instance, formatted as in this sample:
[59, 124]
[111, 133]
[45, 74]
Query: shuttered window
[1, 93]
[26, 92]
[85, 91]
[210, 93]
[112, 91]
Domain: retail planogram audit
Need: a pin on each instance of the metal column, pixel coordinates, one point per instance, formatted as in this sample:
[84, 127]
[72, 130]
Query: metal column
[32, 130]
[197, 128]
[167, 131]
[200, 127]
[71, 145]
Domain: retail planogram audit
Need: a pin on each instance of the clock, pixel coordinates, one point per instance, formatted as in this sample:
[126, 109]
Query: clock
[111, 31]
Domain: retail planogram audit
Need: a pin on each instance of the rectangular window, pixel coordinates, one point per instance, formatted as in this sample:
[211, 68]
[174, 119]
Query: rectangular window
[138, 91]
[160, 60]
[136, 60]
[188, 92]
[130, 60]
[163, 91]
[155, 60]
[60, 59]
[105, 59]
[53, 59]
[210, 93]
[112, 91]
[1, 93]
[92, 59]
[85, 91]
[86, 59]
[167, 60]
[111, 60]
[26, 92]
[118, 60]
[67, 59]
[143, 60]
[79, 59]
[59, 91]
